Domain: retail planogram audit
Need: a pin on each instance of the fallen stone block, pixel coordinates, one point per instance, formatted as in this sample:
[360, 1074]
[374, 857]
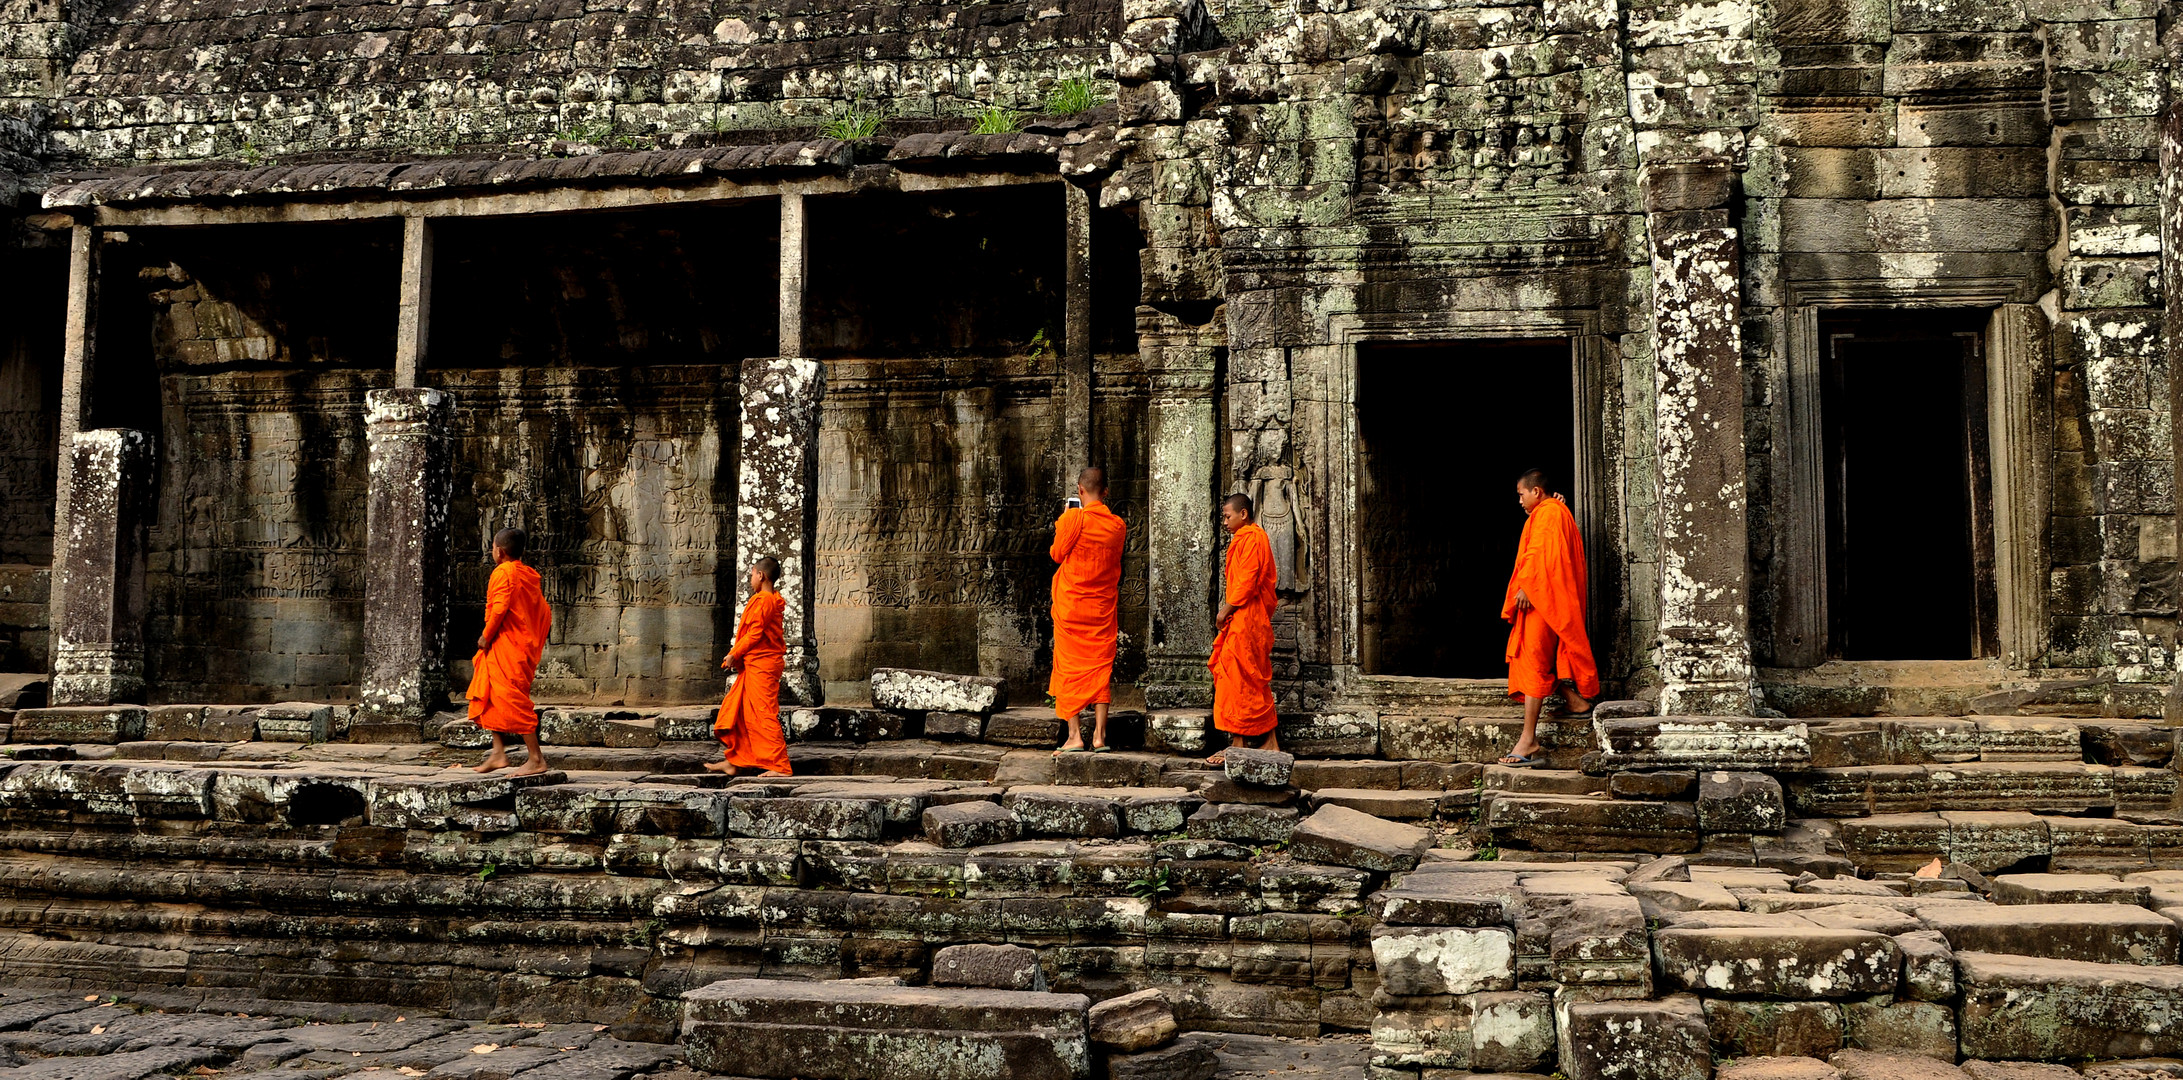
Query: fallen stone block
[1339, 836]
[1243, 824]
[1740, 802]
[1449, 900]
[2121, 743]
[765, 1028]
[1929, 966]
[1592, 941]
[806, 819]
[295, 722]
[1225, 790]
[1259, 768]
[80, 724]
[1659, 898]
[1192, 1058]
[993, 967]
[836, 724]
[1841, 744]
[1330, 734]
[1701, 742]
[2091, 933]
[1577, 823]
[1307, 887]
[1436, 1038]
[2066, 1010]
[1813, 964]
[1179, 731]
[1745, 1029]
[2067, 889]
[1133, 1022]
[1923, 1028]
[1054, 813]
[934, 691]
[1511, 1031]
[1636, 1040]
[1414, 961]
[954, 726]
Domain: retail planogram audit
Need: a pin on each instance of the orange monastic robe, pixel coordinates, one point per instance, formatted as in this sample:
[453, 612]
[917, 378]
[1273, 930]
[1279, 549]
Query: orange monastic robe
[749, 725]
[1243, 652]
[1087, 588]
[1548, 643]
[500, 683]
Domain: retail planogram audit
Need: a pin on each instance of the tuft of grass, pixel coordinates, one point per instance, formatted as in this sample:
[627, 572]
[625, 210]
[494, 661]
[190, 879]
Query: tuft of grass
[1072, 96]
[489, 871]
[1154, 886]
[855, 122]
[1489, 853]
[994, 120]
[593, 133]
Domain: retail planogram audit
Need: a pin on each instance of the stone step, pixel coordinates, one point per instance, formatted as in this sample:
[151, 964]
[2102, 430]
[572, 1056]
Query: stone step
[1584, 823]
[1542, 781]
[1991, 841]
[1396, 805]
[2093, 933]
[2021, 1008]
[779, 1028]
[1777, 962]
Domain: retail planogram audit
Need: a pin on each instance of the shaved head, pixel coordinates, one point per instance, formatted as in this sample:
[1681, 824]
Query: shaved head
[1093, 480]
[770, 567]
[512, 541]
[1536, 480]
[1238, 502]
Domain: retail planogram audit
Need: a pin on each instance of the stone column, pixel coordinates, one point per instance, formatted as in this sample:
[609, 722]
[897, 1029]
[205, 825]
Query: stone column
[77, 345]
[413, 321]
[795, 247]
[1182, 541]
[1704, 647]
[2171, 277]
[98, 581]
[777, 502]
[1074, 386]
[408, 558]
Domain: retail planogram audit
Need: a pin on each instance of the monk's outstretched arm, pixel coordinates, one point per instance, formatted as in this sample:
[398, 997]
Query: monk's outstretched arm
[1067, 532]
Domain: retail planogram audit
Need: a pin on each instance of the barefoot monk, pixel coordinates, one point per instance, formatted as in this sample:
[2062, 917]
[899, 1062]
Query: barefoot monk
[517, 621]
[749, 724]
[1544, 606]
[1087, 597]
[1242, 659]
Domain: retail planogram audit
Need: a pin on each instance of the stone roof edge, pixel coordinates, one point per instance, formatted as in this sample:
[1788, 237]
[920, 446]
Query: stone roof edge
[1080, 152]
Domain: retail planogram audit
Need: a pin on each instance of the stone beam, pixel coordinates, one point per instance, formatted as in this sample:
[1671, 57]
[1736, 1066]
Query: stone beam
[1704, 646]
[1074, 386]
[79, 341]
[571, 200]
[777, 508]
[413, 322]
[408, 556]
[98, 581]
[1182, 534]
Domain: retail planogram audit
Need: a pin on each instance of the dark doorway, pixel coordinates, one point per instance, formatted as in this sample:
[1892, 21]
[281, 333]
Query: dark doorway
[1444, 430]
[1909, 512]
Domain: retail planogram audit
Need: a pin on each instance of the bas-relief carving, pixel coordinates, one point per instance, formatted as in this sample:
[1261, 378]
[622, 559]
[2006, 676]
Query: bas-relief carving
[1273, 497]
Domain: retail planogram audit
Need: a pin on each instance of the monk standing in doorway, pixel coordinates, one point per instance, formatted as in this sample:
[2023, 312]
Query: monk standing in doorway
[1545, 605]
[517, 621]
[1242, 660]
[1087, 596]
[749, 725]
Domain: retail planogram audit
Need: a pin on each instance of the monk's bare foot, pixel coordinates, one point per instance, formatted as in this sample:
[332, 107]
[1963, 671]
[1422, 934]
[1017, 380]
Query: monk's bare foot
[492, 763]
[720, 767]
[1220, 758]
[775, 772]
[530, 768]
[1574, 704]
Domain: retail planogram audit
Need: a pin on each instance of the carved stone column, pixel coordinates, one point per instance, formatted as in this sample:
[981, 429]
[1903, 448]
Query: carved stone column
[98, 586]
[408, 558]
[1182, 541]
[777, 505]
[2171, 275]
[1704, 647]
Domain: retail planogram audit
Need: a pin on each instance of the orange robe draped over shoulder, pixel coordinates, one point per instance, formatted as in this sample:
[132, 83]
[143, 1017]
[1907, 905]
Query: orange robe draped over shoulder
[1548, 643]
[1242, 660]
[500, 684]
[749, 725]
[1087, 585]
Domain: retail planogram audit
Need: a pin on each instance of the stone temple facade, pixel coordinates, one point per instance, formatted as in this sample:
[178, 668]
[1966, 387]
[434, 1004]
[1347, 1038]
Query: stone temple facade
[1839, 321]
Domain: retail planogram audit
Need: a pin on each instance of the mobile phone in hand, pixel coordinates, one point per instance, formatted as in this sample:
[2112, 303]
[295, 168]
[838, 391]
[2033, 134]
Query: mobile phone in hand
[1075, 503]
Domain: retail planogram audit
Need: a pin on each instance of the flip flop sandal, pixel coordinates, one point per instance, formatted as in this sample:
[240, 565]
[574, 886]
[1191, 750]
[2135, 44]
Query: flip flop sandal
[1511, 761]
[1068, 750]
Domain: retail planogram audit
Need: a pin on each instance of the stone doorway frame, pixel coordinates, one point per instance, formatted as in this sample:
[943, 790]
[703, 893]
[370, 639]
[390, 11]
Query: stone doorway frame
[1334, 446]
[2019, 429]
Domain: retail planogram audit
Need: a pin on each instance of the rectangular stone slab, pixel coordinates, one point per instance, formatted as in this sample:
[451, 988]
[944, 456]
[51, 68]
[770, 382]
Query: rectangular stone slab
[1795, 965]
[776, 1029]
[2092, 933]
[80, 724]
[937, 691]
[1703, 742]
[1571, 823]
[2022, 1008]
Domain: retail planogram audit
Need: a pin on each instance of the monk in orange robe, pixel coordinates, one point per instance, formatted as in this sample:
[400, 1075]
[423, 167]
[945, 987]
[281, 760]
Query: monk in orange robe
[517, 621]
[1087, 597]
[749, 725]
[1547, 644]
[1242, 660]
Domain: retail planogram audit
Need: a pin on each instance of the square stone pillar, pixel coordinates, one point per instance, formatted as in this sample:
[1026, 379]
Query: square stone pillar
[1183, 538]
[1704, 647]
[408, 556]
[98, 581]
[777, 500]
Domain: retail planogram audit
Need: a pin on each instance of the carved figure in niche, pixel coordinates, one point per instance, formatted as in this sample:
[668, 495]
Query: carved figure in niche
[1273, 493]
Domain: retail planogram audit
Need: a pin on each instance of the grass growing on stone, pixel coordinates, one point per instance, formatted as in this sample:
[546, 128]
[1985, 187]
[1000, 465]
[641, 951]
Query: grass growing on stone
[856, 122]
[1072, 96]
[996, 121]
[1156, 885]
